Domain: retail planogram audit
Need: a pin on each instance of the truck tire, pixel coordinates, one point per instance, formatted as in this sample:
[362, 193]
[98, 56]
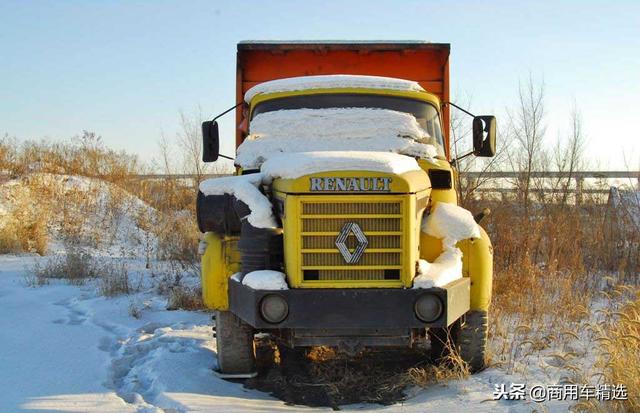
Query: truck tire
[234, 342]
[467, 336]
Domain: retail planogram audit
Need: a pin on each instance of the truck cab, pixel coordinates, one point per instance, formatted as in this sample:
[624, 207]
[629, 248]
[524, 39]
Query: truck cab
[351, 162]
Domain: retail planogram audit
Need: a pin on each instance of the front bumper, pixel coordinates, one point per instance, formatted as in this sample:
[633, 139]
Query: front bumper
[353, 308]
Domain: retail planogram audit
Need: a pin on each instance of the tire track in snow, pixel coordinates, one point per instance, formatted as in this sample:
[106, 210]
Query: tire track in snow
[132, 370]
[127, 352]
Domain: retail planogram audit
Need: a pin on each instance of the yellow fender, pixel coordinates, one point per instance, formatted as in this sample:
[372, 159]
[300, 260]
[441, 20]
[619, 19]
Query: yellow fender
[220, 261]
[477, 263]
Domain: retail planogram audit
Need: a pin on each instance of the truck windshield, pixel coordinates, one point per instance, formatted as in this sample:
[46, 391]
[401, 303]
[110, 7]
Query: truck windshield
[425, 113]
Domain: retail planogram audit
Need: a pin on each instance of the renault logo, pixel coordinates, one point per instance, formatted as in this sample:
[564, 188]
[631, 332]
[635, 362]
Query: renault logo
[348, 229]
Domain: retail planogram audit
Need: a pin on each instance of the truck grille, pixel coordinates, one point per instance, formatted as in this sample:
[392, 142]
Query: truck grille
[381, 221]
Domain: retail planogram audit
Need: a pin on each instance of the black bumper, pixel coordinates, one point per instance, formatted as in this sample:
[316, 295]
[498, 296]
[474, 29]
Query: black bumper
[353, 308]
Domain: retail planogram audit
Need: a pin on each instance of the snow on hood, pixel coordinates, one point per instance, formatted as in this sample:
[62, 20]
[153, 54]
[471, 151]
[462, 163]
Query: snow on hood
[331, 82]
[337, 129]
[295, 165]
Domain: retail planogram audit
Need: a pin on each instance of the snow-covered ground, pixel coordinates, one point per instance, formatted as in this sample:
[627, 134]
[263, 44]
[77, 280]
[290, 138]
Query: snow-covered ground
[67, 349]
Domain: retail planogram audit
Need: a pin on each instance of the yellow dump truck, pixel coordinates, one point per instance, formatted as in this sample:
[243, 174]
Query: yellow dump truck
[347, 237]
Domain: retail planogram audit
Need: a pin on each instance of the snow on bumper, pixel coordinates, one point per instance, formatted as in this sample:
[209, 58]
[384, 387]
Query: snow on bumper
[353, 308]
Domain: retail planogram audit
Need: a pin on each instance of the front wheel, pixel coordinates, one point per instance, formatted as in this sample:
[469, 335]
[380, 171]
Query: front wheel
[467, 336]
[235, 346]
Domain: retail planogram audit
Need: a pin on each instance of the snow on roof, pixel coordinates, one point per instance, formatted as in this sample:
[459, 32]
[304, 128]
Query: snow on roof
[295, 165]
[339, 41]
[336, 129]
[331, 82]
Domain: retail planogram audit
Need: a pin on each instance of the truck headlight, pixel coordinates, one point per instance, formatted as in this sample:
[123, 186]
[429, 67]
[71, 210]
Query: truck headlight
[428, 308]
[274, 308]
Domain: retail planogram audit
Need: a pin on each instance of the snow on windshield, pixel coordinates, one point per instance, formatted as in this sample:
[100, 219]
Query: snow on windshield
[331, 81]
[336, 129]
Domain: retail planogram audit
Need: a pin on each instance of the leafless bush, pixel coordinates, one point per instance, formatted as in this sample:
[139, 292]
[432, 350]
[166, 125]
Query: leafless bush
[185, 298]
[114, 279]
[178, 239]
[76, 266]
[9, 242]
[134, 310]
[84, 155]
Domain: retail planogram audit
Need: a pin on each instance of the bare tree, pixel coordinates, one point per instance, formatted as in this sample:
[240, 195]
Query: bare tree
[527, 129]
[166, 163]
[190, 141]
[569, 157]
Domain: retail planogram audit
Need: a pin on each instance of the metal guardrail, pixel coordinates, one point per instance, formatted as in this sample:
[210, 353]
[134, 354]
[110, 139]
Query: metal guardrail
[488, 174]
[554, 174]
[475, 175]
[578, 176]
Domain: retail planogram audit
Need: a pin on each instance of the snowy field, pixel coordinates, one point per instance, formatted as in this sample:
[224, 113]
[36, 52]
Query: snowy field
[69, 348]
[65, 348]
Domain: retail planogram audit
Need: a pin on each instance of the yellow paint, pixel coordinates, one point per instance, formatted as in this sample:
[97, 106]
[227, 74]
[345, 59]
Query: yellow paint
[408, 182]
[477, 260]
[412, 207]
[219, 262]
[412, 189]
[477, 263]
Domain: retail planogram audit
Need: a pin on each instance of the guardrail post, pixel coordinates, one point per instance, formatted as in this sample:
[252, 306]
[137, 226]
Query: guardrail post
[579, 185]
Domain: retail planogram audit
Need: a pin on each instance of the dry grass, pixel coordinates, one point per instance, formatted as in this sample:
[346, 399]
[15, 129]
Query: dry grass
[618, 335]
[552, 274]
[323, 377]
[50, 200]
[76, 266]
[551, 258]
[185, 298]
[115, 280]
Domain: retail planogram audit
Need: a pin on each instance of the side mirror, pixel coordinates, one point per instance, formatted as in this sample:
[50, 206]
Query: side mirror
[484, 136]
[210, 141]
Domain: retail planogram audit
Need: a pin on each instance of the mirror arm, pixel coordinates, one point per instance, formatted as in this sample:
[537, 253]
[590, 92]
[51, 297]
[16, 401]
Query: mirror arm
[221, 115]
[459, 108]
[227, 111]
[455, 161]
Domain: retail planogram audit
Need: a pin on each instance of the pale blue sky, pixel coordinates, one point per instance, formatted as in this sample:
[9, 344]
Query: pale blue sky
[125, 69]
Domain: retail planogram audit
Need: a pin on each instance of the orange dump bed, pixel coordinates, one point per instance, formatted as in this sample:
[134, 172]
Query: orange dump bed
[425, 63]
